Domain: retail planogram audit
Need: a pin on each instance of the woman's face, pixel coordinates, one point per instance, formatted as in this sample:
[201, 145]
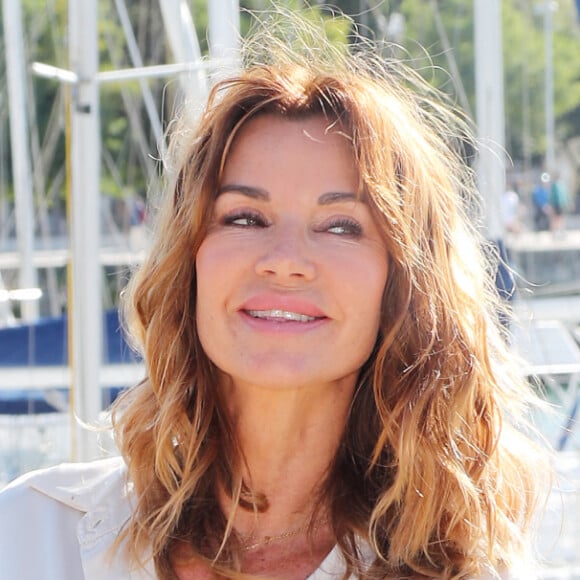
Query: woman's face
[291, 274]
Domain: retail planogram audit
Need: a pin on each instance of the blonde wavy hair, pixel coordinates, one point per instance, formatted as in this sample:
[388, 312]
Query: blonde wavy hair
[431, 472]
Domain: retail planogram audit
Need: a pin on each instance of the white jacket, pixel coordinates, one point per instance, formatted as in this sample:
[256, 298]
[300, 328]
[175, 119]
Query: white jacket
[60, 523]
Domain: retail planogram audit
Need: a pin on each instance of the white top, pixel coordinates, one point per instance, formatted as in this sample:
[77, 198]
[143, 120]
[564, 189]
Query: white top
[59, 524]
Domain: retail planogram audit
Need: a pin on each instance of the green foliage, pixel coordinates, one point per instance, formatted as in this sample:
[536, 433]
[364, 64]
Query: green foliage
[200, 20]
[523, 44]
[420, 44]
[567, 70]
[524, 81]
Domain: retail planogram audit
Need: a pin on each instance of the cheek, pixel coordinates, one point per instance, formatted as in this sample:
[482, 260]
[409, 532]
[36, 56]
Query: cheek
[211, 265]
[368, 294]
[218, 276]
[370, 276]
[208, 285]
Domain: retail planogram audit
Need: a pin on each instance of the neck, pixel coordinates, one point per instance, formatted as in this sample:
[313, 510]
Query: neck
[289, 439]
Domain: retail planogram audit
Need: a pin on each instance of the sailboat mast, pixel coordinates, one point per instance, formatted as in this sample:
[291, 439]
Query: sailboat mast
[21, 165]
[489, 90]
[85, 304]
[224, 29]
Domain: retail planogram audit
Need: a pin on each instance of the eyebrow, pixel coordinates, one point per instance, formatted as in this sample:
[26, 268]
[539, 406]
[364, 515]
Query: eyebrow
[247, 190]
[327, 198]
[337, 197]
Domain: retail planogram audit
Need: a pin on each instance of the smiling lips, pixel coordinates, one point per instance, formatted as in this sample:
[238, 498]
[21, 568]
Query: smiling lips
[282, 310]
[278, 315]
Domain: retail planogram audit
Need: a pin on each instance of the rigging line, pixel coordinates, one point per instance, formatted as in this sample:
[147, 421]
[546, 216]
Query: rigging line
[449, 55]
[117, 234]
[54, 129]
[137, 61]
[39, 185]
[132, 109]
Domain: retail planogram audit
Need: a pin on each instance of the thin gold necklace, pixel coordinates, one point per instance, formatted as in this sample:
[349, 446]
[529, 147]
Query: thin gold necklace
[270, 539]
[266, 540]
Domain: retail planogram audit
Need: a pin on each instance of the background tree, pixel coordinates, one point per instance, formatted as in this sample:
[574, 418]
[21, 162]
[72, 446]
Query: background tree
[431, 50]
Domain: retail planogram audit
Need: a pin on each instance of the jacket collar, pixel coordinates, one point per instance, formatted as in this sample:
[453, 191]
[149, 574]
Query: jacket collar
[99, 490]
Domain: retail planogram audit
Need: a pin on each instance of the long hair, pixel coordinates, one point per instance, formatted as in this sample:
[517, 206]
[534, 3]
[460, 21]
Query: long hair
[439, 483]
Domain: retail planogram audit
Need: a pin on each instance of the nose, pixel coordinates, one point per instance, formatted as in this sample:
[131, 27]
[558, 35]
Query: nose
[287, 256]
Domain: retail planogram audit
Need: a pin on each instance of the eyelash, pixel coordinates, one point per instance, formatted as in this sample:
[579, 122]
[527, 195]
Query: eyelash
[253, 219]
[351, 228]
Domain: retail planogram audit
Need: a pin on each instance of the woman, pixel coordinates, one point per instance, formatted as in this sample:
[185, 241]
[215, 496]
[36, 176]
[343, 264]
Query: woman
[327, 389]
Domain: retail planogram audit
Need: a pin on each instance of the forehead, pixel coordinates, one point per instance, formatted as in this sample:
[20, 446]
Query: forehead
[315, 131]
[274, 140]
[269, 143]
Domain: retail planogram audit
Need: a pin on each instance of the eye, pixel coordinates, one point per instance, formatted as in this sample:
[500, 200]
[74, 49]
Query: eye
[345, 227]
[244, 219]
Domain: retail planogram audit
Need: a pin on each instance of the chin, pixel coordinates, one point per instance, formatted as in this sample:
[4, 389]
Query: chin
[292, 377]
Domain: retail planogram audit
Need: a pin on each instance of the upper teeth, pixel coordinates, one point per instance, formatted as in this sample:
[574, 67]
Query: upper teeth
[284, 314]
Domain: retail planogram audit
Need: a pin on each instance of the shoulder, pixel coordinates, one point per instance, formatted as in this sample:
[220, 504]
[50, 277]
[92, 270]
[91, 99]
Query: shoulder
[70, 483]
[44, 515]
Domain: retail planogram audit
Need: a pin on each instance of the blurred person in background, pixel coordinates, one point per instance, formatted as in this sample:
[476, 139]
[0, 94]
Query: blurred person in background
[511, 209]
[541, 201]
[559, 203]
